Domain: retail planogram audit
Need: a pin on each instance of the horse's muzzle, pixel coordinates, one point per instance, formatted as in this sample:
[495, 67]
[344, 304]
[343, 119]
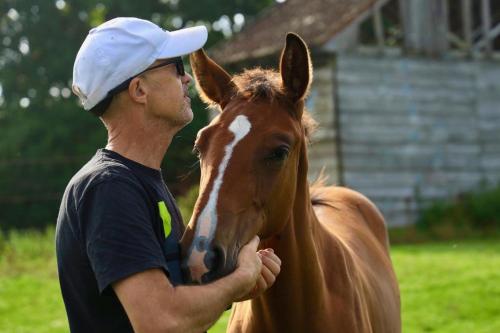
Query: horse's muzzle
[213, 264]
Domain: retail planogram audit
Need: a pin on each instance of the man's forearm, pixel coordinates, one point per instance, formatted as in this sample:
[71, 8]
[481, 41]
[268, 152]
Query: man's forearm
[154, 305]
[199, 307]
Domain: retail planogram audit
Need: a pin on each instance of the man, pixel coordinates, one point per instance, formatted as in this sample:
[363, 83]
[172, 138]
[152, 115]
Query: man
[118, 226]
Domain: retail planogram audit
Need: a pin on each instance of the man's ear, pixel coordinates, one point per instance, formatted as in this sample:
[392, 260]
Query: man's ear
[212, 81]
[295, 67]
[137, 91]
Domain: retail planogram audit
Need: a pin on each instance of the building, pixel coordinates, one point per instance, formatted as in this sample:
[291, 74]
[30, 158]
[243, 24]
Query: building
[407, 93]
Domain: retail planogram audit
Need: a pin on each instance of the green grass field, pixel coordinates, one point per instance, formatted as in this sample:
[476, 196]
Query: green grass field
[445, 287]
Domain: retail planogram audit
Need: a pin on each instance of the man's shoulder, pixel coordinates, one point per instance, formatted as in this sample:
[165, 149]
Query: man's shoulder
[100, 170]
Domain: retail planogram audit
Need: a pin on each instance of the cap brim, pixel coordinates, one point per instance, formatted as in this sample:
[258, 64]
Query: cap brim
[184, 41]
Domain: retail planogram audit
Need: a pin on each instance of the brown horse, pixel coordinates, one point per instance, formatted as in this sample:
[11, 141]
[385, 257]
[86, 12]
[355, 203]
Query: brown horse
[336, 273]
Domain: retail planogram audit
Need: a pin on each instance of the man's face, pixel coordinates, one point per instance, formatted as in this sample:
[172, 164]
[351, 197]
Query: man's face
[168, 94]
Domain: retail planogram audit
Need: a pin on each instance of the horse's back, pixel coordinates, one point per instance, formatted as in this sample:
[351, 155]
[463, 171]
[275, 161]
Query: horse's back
[335, 205]
[354, 223]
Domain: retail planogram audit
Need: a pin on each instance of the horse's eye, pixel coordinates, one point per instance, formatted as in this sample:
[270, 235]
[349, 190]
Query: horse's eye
[196, 151]
[279, 154]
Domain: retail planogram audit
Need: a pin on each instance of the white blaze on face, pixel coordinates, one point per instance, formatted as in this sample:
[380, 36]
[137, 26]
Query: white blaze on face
[207, 221]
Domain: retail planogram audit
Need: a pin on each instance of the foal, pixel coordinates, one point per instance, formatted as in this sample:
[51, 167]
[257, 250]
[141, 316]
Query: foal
[336, 273]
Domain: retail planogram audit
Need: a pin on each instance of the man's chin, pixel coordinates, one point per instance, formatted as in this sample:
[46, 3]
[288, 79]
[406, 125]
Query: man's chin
[189, 115]
[186, 118]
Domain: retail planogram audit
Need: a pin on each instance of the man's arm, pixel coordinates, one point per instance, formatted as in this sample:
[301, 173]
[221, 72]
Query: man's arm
[154, 305]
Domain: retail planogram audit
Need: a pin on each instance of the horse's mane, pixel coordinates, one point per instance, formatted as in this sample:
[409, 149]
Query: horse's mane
[318, 191]
[258, 83]
[265, 84]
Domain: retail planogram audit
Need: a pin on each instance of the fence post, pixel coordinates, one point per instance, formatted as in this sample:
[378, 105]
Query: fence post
[425, 25]
[467, 24]
[486, 24]
[379, 28]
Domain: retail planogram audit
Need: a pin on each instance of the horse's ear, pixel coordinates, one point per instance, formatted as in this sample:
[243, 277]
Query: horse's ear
[212, 81]
[295, 67]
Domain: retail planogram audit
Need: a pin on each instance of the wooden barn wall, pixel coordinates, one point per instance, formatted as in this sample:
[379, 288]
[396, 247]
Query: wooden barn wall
[320, 103]
[412, 130]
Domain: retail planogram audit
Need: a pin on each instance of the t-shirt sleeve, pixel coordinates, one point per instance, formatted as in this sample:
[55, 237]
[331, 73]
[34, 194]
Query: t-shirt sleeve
[117, 227]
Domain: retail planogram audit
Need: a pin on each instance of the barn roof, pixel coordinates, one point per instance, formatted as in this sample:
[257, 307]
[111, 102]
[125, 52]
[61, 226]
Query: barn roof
[317, 21]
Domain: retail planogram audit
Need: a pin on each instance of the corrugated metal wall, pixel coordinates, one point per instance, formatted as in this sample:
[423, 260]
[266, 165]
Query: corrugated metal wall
[412, 130]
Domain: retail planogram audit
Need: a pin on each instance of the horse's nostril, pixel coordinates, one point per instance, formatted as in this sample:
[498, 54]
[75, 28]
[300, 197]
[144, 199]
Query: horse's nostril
[214, 260]
[220, 258]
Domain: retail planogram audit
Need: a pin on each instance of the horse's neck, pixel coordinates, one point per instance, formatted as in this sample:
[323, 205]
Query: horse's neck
[297, 247]
[301, 284]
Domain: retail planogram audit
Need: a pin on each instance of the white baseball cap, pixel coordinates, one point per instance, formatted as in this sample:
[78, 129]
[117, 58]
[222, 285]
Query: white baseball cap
[122, 48]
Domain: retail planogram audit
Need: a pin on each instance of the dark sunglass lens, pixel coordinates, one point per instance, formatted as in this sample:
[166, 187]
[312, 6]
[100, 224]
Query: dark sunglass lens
[179, 65]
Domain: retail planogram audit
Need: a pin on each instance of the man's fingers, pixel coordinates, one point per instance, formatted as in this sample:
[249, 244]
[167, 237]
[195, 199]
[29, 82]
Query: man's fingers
[269, 277]
[270, 253]
[261, 285]
[274, 257]
[272, 262]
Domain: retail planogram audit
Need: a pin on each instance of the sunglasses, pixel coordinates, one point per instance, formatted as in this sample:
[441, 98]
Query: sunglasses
[179, 65]
[99, 109]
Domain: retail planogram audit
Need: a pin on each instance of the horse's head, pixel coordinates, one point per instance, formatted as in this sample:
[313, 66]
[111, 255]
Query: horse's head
[249, 156]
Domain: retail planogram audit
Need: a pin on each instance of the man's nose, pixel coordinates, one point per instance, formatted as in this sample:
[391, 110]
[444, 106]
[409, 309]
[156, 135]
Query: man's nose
[187, 78]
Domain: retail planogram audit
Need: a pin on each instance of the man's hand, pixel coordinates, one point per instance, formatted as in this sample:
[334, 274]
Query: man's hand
[271, 267]
[249, 266]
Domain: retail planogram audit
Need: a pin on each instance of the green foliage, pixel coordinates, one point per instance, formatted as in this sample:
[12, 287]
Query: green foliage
[445, 287]
[186, 203]
[475, 212]
[221, 324]
[45, 136]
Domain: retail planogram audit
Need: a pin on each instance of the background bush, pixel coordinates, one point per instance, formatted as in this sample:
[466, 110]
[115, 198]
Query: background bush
[469, 214]
[186, 203]
[45, 135]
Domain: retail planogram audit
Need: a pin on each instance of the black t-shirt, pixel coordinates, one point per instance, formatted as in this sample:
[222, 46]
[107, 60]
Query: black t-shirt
[117, 218]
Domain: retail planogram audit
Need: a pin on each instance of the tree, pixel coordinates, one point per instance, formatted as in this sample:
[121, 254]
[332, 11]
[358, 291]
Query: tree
[45, 135]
